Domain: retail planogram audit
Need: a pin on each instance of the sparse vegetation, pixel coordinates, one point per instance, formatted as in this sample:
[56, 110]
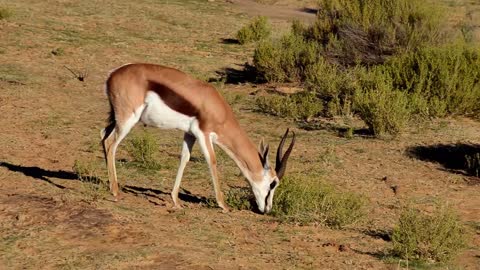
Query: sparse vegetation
[397, 54]
[93, 187]
[439, 80]
[240, 198]
[437, 237]
[300, 106]
[5, 13]
[307, 200]
[384, 110]
[259, 28]
[142, 148]
[86, 171]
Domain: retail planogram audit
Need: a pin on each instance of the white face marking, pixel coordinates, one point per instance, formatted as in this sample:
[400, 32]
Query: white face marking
[158, 114]
[263, 193]
[260, 189]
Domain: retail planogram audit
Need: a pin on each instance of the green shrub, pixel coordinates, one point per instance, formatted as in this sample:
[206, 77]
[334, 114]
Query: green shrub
[142, 148]
[301, 106]
[383, 109]
[445, 80]
[384, 60]
[258, 29]
[5, 13]
[334, 86]
[304, 200]
[286, 59]
[240, 198]
[438, 236]
[366, 32]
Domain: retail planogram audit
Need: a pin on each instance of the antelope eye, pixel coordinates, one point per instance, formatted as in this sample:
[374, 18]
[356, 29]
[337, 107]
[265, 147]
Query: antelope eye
[273, 184]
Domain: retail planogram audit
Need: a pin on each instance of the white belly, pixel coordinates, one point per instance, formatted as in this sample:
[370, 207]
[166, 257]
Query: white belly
[158, 114]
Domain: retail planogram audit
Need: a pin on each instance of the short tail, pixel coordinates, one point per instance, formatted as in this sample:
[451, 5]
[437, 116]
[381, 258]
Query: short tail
[104, 133]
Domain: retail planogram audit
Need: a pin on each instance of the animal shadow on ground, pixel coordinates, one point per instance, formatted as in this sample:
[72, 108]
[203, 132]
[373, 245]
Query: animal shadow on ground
[230, 41]
[185, 196]
[44, 175]
[243, 74]
[385, 235]
[341, 130]
[309, 10]
[453, 157]
[41, 174]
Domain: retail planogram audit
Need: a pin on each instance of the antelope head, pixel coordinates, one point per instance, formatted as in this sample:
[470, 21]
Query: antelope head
[264, 189]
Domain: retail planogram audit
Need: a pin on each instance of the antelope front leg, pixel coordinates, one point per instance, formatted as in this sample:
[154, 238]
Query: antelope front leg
[208, 152]
[188, 142]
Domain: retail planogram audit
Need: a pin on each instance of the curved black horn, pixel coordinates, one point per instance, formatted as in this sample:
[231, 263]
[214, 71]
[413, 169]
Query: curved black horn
[281, 163]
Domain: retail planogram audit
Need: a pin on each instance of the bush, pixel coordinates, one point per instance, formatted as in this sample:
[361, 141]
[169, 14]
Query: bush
[312, 201]
[384, 110]
[240, 198]
[5, 13]
[385, 60]
[285, 60]
[366, 32]
[445, 79]
[301, 106]
[258, 29]
[438, 237]
[142, 149]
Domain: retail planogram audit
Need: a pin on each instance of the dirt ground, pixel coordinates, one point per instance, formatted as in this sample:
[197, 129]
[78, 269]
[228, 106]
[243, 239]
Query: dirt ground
[50, 121]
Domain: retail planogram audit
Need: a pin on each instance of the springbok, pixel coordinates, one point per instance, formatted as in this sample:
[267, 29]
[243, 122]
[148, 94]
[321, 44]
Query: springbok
[170, 99]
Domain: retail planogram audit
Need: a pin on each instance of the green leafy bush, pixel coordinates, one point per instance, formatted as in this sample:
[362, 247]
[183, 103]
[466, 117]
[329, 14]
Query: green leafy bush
[383, 109]
[5, 13]
[438, 236]
[286, 59]
[301, 106]
[444, 80]
[258, 29]
[366, 32]
[386, 61]
[240, 198]
[306, 200]
[142, 148]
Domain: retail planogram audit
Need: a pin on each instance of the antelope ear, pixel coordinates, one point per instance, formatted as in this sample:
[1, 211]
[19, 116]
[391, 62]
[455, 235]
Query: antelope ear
[261, 148]
[263, 154]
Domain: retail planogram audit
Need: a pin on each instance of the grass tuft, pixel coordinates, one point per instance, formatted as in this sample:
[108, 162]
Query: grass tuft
[437, 237]
[142, 148]
[240, 198]
[93, 188]
[5, 13]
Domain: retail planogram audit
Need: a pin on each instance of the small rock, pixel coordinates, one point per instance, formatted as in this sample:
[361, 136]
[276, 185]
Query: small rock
[343, 248]
[395, 189]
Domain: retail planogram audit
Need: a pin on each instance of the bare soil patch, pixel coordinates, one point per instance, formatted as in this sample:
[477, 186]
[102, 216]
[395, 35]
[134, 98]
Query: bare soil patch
[288, 11]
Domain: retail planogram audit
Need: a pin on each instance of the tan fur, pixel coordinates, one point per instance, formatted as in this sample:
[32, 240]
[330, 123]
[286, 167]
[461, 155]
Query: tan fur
[127, 88]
